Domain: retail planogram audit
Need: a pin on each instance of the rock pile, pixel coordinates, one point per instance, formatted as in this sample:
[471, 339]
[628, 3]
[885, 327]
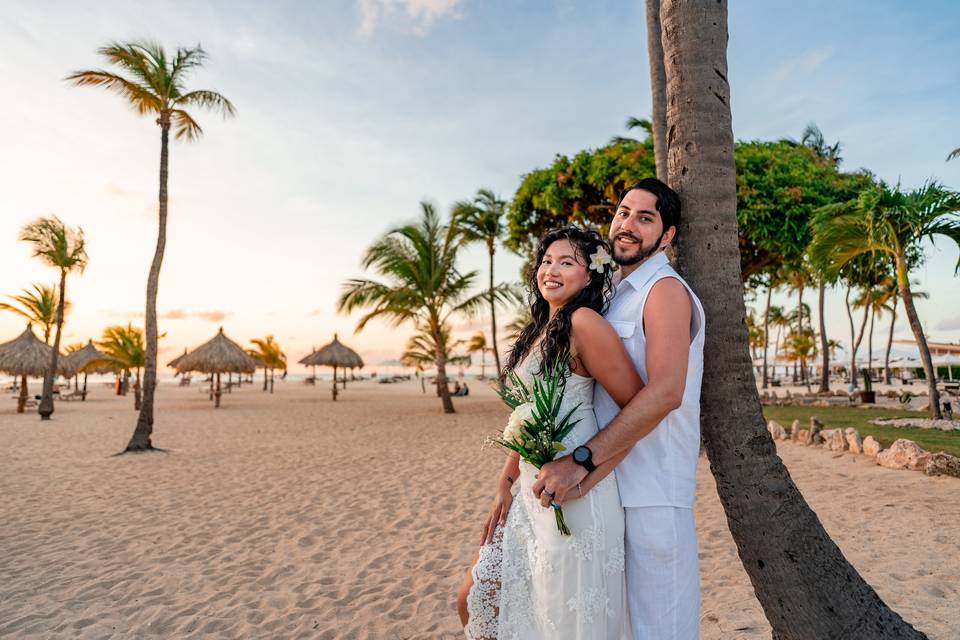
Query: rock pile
[902, 454]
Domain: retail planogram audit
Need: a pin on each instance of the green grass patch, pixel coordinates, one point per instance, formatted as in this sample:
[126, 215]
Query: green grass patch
[843, 417]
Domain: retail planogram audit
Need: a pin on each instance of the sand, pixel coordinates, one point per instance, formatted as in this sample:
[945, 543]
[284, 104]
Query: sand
[289, 516]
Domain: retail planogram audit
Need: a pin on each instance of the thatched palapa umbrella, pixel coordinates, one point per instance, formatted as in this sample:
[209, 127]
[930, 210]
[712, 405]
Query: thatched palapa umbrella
[335, 354]
[219, 355]
[25, 356]
[88, 360]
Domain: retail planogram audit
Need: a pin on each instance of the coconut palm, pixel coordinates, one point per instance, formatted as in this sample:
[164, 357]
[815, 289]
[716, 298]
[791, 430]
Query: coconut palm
[38, 307]
[478, 342]
[658, 87]
[890, 221]
[423, 284]
[482, 221]
[801, 348]
[64, 249]
[954, 154]
[269, 356]
[153, 84]
[805, 585]
[125, 353]
[812, 137]
[421, 352]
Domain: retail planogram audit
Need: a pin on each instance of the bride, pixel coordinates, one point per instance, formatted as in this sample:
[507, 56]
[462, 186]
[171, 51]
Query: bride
[529, 581]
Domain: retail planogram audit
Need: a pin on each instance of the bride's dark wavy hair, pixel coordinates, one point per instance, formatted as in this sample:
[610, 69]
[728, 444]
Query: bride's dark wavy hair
[556, 332]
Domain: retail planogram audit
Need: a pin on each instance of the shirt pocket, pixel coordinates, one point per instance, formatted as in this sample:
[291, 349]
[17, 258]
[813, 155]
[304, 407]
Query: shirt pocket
[624, 329]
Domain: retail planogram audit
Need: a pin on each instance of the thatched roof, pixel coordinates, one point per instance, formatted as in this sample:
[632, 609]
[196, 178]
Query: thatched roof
[173, 363]
[334, 354]
[27, 355]
[89, 359]
[220, 354]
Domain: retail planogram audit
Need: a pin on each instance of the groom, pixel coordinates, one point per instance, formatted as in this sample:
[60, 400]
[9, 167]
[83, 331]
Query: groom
[655, 439]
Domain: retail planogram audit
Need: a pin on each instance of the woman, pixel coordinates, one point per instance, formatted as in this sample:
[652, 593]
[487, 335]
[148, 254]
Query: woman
[530, 582]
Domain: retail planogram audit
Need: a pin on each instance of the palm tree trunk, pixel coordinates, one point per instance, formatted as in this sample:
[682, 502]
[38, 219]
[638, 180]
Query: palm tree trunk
[873, 314]
[136, 392]
[264, 378]
[914, 320]
[799, 332]
[766, 334]
[806, 587]
[853, 338]
[22, 398]
[441, 360]
[493, 311]
[658, 86]
[887, 376]
[45, 409]
[83, 395]
[140, 441]
[271, 380]
[824, 347]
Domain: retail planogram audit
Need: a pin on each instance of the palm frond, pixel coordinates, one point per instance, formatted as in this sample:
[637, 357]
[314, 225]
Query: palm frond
[208, 100]
[184, 126]
[138, 96]
[954, 154]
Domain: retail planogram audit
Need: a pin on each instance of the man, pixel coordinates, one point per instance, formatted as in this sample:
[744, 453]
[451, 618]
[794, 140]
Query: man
[655, 439]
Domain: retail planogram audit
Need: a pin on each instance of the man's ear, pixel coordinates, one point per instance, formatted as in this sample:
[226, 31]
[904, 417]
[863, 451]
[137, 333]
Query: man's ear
[667, 237]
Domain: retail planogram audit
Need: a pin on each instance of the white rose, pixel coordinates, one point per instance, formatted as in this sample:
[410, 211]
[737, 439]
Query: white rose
[523, 413]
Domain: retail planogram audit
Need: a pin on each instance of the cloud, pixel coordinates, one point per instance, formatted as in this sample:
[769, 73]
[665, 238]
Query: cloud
[419, 15]
[804, 64]
[949, 324]
[180, 314]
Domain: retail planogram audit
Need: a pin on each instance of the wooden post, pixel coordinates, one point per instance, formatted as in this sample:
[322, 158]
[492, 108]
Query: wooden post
[334, 383]
[217, 394]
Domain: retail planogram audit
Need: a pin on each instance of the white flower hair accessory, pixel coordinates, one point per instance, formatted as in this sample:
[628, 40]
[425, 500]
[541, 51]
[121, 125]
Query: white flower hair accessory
[600, 259]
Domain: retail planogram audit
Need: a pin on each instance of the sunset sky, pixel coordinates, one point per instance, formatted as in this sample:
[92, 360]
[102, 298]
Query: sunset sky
[350, 113]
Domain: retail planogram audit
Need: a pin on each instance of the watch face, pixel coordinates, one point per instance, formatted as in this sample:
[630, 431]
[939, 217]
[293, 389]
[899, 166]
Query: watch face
[581, 454]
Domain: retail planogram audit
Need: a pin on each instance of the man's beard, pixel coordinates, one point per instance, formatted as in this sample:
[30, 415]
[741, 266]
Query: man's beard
[625, 260]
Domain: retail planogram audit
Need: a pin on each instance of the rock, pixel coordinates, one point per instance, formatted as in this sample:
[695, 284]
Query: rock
[871, 447]
[903, 454]
[777, 432]
[795, 430]
[789, 395]
[942, 464]
[803, 437]
[815, 428]
[833, 438]
[854, 443]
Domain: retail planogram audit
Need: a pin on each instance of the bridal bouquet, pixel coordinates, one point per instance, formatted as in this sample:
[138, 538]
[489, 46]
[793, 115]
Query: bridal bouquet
[535, 429]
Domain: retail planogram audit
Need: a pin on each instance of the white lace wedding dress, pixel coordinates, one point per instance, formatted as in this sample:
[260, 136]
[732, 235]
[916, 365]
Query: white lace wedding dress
[531, 583]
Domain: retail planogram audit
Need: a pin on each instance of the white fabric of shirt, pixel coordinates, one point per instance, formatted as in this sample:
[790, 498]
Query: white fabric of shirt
[661, 468]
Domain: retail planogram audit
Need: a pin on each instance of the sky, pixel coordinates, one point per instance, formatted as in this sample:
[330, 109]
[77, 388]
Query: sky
[352, 112]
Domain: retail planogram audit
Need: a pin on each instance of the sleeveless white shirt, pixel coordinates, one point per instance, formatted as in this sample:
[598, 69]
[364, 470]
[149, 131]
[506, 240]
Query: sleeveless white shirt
[661, 469]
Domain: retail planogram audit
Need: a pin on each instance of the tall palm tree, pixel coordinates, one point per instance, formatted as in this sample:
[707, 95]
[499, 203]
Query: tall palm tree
[781, 321]
[478, 342]
[38, 307]
[423, 284]
[64, 249]
[124, 347]
[482, 221]
[154, 86]
[889, 221]
[658, 88]
[806, 587]
[270, 356]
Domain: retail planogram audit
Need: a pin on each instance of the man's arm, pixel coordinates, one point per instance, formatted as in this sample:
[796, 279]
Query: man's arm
[666, 319]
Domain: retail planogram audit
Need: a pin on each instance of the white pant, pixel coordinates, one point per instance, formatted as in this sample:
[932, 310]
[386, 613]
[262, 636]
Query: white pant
[663, 573]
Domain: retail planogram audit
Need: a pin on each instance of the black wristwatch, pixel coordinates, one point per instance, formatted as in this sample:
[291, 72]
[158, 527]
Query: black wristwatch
[584, 457]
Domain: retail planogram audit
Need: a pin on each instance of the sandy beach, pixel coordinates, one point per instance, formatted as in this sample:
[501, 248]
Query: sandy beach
[289, 516]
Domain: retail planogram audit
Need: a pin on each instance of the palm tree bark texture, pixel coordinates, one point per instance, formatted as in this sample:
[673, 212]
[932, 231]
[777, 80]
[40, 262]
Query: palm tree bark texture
[807, 589]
